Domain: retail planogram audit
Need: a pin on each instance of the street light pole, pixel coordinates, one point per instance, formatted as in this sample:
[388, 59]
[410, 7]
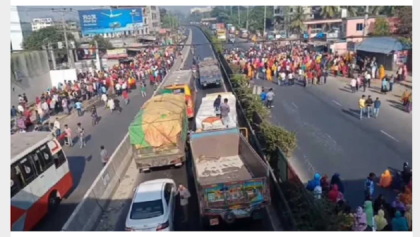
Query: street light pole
[63, 22]
[247, 17]
[366, 19]
[265, 18]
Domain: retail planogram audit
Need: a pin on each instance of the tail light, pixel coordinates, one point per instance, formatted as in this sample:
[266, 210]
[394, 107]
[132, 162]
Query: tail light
[162, 226]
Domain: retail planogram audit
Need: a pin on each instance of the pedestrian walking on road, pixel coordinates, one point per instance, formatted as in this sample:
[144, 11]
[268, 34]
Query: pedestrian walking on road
[270, 97]
[57, 127]
[369, 186]
[353, 83]
[69, 139]
[362, 106]
[126, 97]
[104, 155]
[376, 107]
[369, 104]
[184, 195]
[81, 134]
[143, 89]
[391, 82]
[79, 108]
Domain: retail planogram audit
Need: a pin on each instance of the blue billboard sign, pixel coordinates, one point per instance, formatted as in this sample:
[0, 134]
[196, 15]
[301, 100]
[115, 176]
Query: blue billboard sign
[104, 21]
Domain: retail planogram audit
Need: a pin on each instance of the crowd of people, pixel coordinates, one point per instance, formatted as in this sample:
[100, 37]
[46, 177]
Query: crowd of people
[285, 64]
[148, 67]
[375, 214]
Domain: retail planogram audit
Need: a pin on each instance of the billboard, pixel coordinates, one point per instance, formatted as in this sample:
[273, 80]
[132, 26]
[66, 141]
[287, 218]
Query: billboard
[104, 21]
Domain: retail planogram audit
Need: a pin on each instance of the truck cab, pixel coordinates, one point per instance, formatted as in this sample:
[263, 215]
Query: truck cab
[209, 73]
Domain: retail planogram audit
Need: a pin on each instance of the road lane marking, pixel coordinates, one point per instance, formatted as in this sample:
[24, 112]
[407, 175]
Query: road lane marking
[335, 102]
[386, 134]
[295, 105]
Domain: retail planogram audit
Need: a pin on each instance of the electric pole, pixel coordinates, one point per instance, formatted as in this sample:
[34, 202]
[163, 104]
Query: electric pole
[366, 19]
[265, 18]
[247, 17]
[132, 20]
[63, 11]
[239, 18]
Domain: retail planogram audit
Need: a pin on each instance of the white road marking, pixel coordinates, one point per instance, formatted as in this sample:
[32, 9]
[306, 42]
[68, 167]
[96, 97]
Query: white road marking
[335, 102]
[393, 138]
[295, 105]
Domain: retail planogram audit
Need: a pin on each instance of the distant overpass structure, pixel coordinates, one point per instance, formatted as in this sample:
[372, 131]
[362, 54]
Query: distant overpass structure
[209, 20]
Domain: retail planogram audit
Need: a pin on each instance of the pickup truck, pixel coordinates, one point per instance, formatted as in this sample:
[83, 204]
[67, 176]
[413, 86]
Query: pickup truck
[209, 72]
[230, 178]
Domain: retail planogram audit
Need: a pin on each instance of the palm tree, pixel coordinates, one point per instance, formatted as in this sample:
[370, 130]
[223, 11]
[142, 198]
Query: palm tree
[390, 10]
[297, 20]
[330, 11]
[375, 10]
[352, 11]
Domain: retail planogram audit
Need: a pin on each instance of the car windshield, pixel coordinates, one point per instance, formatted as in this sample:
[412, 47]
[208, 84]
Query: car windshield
[146, 210]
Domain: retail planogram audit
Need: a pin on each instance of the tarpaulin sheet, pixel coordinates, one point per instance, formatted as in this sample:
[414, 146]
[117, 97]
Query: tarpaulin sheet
[161, 122]
[206, 118]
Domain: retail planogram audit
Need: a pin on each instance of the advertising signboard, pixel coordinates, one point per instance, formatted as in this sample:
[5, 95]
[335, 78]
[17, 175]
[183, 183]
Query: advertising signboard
[103, 21]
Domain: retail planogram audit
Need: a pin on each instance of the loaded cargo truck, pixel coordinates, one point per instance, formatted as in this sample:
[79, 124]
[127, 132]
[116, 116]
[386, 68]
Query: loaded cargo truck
[230, 177]
[209, 72]
[158, 133]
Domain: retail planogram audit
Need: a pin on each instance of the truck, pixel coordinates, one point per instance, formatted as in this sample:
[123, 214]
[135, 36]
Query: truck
[221, 35]
[208, 72]
[230, 178]
[158, 132]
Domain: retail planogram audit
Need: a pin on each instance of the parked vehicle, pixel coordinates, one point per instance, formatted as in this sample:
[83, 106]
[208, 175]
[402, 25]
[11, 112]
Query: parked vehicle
[153, 206]
[209, 72]
[159, 131]
[230, 177]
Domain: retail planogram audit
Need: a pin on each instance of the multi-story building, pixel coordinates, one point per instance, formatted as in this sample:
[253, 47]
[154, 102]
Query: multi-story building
[201, 9]
[19, 29]
[283, 14]
[40, 23]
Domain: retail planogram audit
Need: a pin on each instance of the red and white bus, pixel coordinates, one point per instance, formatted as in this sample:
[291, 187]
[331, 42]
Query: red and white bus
[40, 177]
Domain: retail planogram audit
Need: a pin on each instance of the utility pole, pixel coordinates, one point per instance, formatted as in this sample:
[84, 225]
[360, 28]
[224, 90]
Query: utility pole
[98, 57]
[63, 11]
[366, 19]
[286, 20]
[265, 19]
[132, 21]
[239, 18]
[247, 17]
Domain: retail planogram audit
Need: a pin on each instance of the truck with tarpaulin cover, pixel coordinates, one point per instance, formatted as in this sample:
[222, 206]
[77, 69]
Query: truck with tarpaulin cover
[230, 178]
[158, 132]
[209, 73]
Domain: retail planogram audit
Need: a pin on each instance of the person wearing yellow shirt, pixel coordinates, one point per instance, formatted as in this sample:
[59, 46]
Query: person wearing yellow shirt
[362, 106]
[269, 76]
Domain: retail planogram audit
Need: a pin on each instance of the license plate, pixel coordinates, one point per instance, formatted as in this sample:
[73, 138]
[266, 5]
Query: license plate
[214, 221]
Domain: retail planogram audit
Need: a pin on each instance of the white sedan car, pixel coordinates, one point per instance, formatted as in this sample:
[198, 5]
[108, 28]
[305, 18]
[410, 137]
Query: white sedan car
[153, 206]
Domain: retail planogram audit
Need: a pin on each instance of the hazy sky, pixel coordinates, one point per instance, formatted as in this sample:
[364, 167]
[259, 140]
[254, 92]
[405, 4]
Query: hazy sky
[45, 11]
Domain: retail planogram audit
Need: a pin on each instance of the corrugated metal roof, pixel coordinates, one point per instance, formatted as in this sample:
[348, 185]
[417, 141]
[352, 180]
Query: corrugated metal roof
[383, 45]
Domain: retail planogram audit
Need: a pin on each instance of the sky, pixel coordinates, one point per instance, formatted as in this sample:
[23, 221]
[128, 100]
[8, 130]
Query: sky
[45, 12]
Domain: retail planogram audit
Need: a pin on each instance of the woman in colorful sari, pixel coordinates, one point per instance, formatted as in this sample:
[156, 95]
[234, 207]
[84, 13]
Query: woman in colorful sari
[408, 107]
[381, 72]
[360, 220]
[269, 76]
[380, 220]
[369, 212]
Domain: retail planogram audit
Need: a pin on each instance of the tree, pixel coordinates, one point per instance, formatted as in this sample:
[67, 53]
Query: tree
[330, 11]
[103, 43]
[162, 13]
[42, 37]
[381, 27]
[297, 20]
[352, 11]
[405, 17]
[170, 21]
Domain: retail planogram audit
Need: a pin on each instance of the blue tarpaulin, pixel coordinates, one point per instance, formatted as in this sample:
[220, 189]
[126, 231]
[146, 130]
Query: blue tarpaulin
[383, 45]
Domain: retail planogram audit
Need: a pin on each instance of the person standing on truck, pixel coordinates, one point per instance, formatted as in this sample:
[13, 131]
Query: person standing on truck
[224, 112]
[216, 103]
[184, 194]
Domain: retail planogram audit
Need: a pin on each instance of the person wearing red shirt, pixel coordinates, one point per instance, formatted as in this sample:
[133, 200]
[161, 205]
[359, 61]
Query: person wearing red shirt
[126, 96]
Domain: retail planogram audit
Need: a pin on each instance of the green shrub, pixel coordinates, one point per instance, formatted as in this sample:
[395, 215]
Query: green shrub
[278, 136]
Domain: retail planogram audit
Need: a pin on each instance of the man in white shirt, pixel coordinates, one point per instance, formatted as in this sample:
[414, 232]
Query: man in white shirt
[124, 86]
[118, 88]
[290, 78]
[283, 78]
[368, 77]
[353, 85]
[57, 127]
[20, 109]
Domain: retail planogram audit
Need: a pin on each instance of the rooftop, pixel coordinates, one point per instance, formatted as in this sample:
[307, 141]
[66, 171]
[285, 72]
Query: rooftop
[22, 143]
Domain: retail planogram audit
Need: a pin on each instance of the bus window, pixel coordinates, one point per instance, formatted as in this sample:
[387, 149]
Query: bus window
[37, 163]
[59, 158]
[27, 170]
[44, 155]
[15, 181]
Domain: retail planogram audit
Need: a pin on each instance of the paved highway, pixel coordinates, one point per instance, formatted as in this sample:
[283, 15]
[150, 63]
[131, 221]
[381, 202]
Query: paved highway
[85, 163]
[331, 138]
[115, 219]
